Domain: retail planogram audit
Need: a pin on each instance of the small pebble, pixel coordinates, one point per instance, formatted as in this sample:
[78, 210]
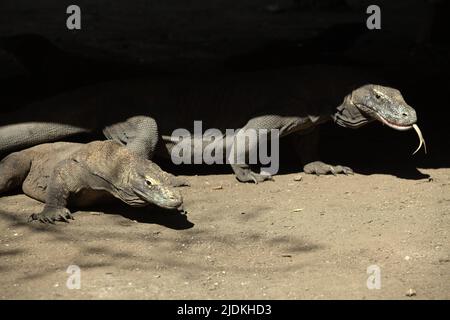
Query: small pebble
[411, 293]
[298, 178]
[217, 188]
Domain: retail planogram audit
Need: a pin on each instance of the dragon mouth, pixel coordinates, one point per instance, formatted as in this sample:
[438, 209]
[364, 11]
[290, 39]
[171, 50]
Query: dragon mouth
[165, 203]
[396, 126]
[407, 127]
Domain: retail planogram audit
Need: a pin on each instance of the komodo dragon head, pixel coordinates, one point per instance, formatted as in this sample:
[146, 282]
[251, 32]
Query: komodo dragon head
[147, 183]
[134, 180]
[375, 102]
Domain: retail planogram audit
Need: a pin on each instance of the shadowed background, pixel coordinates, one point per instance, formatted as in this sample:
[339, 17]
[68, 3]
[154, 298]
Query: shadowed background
[39, 57]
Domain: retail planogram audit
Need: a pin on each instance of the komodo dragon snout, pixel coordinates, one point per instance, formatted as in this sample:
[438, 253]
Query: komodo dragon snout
[151, 188]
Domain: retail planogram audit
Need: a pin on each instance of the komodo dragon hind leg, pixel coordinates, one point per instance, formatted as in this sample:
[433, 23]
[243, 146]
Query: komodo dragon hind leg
[139, 134]
[13, 171]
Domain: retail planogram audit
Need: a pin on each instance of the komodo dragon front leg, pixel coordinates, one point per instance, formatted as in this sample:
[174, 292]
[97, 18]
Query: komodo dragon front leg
[306, 146]
[306, 137]
[67, 178]
[13, 172]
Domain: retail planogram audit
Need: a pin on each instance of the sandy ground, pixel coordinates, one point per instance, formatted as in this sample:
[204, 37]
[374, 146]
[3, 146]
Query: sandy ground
[287, 239]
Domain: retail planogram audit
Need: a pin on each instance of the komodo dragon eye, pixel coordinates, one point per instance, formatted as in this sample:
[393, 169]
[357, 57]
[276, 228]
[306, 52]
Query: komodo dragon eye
[148, 182]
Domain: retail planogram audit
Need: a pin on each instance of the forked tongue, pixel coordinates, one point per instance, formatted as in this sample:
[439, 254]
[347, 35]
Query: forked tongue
[421, 139]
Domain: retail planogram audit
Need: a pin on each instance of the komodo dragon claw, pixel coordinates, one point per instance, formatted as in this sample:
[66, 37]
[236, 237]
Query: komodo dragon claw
[244, 174]
[50, 215]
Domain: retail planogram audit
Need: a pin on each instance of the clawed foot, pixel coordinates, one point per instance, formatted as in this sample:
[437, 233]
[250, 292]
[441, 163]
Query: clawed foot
[50, 215]
[244, 174]
[320, 168]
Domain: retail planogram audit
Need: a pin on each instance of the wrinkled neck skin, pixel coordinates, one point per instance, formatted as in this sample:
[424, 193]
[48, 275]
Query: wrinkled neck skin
[349, 116]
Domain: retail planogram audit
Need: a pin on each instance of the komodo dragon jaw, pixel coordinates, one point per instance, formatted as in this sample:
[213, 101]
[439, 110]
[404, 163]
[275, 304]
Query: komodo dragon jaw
[155, 191]
[376, 102]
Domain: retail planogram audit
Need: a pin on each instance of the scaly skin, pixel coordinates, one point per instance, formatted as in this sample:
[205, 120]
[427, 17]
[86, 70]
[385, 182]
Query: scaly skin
[62, 174]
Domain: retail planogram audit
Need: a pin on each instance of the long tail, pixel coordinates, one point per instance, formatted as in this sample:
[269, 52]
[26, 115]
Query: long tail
[23, 135]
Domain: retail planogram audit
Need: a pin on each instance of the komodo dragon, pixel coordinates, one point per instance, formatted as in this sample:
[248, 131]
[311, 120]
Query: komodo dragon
[142, 113]
[64, 173]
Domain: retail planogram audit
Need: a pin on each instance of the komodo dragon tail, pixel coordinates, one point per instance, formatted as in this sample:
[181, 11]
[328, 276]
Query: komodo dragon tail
[23, 135]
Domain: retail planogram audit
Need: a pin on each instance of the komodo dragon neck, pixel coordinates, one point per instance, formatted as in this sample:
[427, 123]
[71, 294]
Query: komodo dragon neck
[348, 115]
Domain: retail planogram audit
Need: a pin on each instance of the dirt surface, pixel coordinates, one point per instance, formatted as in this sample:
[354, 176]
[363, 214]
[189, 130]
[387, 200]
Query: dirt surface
[286, 239]
[309, 239]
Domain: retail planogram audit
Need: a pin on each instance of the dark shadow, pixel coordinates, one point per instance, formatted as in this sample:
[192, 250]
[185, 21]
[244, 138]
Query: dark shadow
[151, 214]
[47, 65]
[11, 252]
[172, 219]
[409, 172]
[327, 47]
[297, 246]
[365, 151]
[287, 246]
[193, 169]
